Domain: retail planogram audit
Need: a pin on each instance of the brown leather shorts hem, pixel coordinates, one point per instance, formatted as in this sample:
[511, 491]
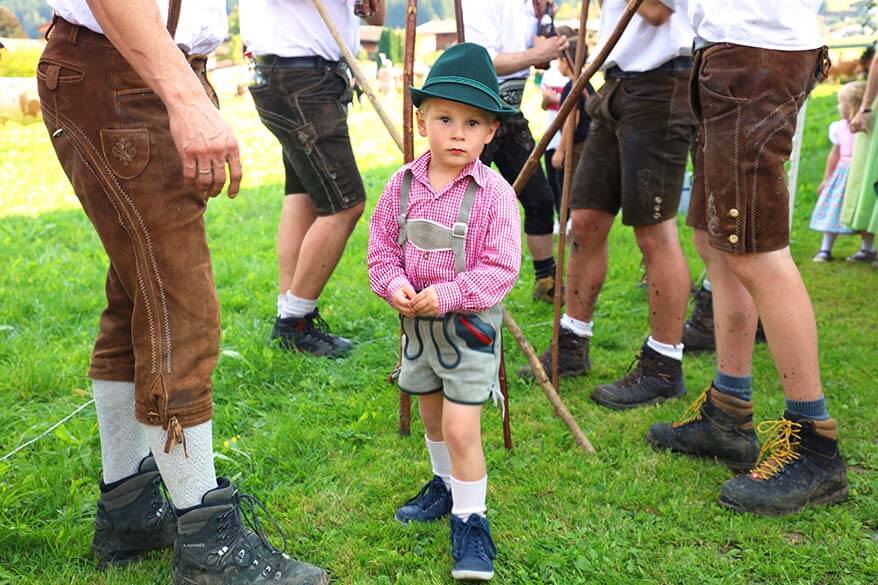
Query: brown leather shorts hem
[192, 414]
[110, 372]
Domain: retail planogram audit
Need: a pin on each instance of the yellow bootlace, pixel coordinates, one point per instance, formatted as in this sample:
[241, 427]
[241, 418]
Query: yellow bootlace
[693, 411]
[779, 448]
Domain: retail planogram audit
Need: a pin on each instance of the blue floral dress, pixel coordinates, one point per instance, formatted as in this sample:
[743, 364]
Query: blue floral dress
[827, 212]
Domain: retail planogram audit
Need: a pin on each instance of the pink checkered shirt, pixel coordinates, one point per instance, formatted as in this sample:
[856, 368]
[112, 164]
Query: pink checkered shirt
[493, 241]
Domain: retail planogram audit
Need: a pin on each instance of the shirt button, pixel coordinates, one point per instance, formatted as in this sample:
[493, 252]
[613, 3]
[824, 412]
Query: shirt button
[733, 239]
[426, 254]
[733, 212]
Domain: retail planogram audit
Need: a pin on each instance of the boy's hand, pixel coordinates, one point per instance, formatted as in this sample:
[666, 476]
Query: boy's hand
[558, 159]
[426, 303]
[402, 300]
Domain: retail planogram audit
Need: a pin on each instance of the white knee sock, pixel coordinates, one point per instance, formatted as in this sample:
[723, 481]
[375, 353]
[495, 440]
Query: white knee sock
[666, 349]
[868, 243]
[469, 497]
[123, 442]
[440, 459]
[187, 479]
[297, 306]
[580, 328]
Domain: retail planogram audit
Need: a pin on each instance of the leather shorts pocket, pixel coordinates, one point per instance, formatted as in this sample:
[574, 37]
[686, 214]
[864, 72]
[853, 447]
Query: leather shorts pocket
[476, 333]
[126, 150]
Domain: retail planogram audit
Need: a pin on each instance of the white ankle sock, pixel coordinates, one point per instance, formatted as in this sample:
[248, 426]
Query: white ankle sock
[868, 243]
[297, 306]
[123, 442]
[666, 349]
[706, 284]
[828, 241]
[580, 328]
[281, 299]
[187, 479]
[469, 497]
[440, 460]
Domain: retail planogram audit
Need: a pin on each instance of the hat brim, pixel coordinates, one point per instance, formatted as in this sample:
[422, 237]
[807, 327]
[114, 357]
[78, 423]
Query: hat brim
[464, 94]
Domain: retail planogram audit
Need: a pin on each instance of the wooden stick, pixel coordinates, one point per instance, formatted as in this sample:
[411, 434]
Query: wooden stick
[358, 73]
[504, 389]
[547, 387]
[567, 106]
[458, 19]
[569, 164]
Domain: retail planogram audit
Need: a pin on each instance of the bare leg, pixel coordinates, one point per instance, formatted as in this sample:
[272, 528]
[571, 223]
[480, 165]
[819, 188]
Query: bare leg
[668, 277]
[430, 407]
[540, 247]
[587, 267]
[734, 312]
[782, 300]
[296, 217]
[321, 249]
[462, 429]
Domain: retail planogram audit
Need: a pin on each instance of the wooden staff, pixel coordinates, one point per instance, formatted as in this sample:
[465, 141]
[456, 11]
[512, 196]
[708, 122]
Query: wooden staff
[569, 131]
[358, 73]
[547, 387]
[458, 19]
[578, 86]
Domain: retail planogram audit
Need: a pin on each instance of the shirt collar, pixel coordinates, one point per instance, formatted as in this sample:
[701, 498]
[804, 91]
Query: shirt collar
[476, 169]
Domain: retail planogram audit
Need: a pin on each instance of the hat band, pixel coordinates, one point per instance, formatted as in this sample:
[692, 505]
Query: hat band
[466, 81]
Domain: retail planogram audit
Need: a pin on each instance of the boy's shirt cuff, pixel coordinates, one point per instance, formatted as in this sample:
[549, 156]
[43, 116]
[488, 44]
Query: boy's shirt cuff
[394, 285]
[450, 297]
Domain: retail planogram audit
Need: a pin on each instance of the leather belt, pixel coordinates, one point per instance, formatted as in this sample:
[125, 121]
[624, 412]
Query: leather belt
[672, 66]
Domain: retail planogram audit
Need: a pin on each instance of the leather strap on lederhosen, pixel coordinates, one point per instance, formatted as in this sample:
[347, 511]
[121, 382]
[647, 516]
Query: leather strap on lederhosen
[174, 16]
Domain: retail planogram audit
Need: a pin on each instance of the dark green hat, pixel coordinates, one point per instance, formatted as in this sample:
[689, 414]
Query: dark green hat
[464, 73]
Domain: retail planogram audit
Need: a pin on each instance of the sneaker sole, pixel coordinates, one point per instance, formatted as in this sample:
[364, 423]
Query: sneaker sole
[472, 575]
[626, 406]
[836, 497]
[735, 466]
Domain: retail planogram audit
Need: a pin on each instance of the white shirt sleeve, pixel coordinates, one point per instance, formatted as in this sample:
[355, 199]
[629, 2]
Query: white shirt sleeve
[835, 132]
[481, 20]
[669, 4]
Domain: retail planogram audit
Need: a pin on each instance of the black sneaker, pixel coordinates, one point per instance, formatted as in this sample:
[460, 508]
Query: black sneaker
[133, 517]
[716, 426]
[654, 378]
[309, 334]
[698, 330]
[472, 549]
[573, 357]
[431, 503]
[213, 546]
[799, 466]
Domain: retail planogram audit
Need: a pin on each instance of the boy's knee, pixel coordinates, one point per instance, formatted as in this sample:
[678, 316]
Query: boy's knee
[458, 435]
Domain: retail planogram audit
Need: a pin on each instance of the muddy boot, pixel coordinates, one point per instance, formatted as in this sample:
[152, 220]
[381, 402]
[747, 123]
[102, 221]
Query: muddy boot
[654, 378]
[573, 357]
[716, 426]
[544, 290]
[133, 517]
[214, 548]
[698, 330]
[309, 334]
[799, 466]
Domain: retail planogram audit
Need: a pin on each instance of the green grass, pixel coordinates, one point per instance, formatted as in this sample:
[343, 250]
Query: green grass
[317, 440]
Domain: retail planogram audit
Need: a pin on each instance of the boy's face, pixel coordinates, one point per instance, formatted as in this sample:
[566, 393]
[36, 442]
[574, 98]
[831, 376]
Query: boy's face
[457, 133]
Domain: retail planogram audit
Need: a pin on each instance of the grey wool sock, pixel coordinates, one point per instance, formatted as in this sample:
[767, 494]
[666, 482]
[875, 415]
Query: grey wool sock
[123, 441]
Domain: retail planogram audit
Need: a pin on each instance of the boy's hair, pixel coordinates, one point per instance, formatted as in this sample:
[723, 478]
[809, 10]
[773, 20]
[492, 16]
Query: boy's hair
[850, 98]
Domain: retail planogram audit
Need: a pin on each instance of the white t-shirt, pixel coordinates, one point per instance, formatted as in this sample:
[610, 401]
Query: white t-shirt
[501, 26]
[555, 81]
[783, 25]
[642, 46]
[202, 26]
[293, 28]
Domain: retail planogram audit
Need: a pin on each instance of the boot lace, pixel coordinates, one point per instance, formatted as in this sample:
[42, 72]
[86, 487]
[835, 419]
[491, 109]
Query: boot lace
[473, 540]
[693, 412]
[427, 495]
[779, 448]
[249, 507]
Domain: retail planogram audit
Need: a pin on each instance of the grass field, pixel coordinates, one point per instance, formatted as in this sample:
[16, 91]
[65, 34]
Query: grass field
[316, 440]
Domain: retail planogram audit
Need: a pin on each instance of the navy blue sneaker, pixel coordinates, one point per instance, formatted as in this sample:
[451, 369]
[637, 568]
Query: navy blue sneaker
[431, 503]
[472, 549]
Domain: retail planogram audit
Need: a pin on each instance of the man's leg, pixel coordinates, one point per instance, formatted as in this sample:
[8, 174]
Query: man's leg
[296, 218]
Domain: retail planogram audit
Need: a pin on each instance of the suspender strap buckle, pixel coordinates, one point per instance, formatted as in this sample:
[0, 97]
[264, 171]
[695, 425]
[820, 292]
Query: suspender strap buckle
[458, 230]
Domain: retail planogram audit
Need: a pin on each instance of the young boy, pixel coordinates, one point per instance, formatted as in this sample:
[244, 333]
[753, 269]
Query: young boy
[444, 249]
[583, 120]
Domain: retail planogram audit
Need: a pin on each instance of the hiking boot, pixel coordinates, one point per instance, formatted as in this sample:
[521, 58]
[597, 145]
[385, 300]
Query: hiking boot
[572, 357]
[214, 548]
[544, 290]
[653, 379]
[431, 503]
[309, 334]
[133, 517]
[472, 549]
[698, 330]
[865, 256]
[799, 466]
[716, 426]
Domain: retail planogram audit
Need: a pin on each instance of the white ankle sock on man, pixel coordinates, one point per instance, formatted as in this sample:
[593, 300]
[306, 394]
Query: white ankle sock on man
[187, 479]
[123, 442]
[580, 328]
[705, 284]
[440, 459]
[296, 306]
[469, 497]
[673, 351]
[281, 300]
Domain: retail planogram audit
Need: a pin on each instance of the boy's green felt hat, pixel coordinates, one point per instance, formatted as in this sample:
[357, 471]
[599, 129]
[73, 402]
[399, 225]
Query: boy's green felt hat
[464, 73]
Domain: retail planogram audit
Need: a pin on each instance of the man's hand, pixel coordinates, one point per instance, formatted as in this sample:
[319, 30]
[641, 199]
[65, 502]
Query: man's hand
[860, 121]
[426, 303]
[547, 48]
[206, 145]
[402, 300]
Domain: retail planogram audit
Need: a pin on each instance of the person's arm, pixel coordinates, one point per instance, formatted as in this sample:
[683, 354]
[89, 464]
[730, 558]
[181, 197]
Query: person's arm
[379, 12]
[203, 139]
[860, 121]
[831, 161]
[543, 50]
[384, 256]
[656, 12]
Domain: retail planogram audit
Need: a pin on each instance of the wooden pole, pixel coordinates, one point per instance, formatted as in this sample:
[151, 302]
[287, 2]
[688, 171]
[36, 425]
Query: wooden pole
[578, 86]
[569, 165]
[358, 73]
[548, 389]
[458, 19]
